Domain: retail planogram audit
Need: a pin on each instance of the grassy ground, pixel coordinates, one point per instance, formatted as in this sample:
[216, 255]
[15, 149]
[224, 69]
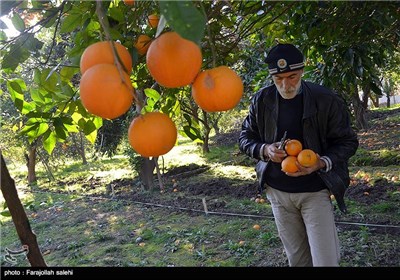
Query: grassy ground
[97, 214]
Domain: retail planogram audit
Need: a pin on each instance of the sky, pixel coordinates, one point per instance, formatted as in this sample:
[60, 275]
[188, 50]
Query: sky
[11, 31]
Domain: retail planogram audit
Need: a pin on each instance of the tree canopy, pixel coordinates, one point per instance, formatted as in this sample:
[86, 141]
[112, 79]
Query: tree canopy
[349, 46]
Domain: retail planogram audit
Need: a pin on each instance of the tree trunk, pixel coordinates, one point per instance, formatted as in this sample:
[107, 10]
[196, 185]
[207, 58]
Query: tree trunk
[82, 149]
[365, 96]
[388, 100]
[146, 173]
[206, 146]
[359, 112]
[206, 133]
[31, 164]
[375, 101]
[21, 222]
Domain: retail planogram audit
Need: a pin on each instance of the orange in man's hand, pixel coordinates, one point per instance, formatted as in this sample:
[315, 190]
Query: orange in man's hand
[289, 164]
[307, 158]
[293, 147]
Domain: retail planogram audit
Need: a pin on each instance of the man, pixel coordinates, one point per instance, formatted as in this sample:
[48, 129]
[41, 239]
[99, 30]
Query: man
[319, 119]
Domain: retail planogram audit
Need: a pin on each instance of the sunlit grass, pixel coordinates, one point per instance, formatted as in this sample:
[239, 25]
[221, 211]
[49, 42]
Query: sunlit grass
[182, 155]
[233, 172]
[390, 173]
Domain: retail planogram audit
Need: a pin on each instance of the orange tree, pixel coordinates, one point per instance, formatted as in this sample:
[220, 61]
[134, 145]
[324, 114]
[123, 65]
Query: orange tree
[40, 66]
[234, 34]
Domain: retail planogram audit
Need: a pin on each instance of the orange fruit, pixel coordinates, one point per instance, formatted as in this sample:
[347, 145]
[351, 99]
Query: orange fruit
[293, 147]
[153, 20]
[218, 89]
[307, 158]
[289, 164]
[152, 134]
[173, 61]
[103, 93]
[257, 227]
[129, 2]
[101, 52]
[142, 44]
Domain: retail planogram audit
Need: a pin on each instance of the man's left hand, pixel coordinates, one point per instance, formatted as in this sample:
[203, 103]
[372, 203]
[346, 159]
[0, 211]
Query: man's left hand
[320, 164]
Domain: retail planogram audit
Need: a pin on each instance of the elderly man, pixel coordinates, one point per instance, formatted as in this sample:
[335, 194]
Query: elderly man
[319, 119]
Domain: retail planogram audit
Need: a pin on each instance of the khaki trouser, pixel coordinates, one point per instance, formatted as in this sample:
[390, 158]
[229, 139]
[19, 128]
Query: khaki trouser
[306, 227]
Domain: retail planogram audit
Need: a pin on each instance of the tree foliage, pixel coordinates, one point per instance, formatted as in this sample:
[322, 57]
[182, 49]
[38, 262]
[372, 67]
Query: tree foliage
[348, 46]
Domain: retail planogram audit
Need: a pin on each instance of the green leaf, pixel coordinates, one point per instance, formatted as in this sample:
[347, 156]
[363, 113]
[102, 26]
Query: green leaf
[188, 119]
[29, 128]
[152, 93]
[3, 36]
[43, 127]
[49, 141]
[5, 213]
[191, 132]
[71, 128]
[35, 129]
[67, 73]
[37, 96]
[18, 22]
[71, 22]
[48, 80]
[98, 122]
[117, 14]
[184, 18]
[90, 131]
[89, 127]
[60, 129]
[21, 50]
[349, 56]
[16, 87]
[14, 57]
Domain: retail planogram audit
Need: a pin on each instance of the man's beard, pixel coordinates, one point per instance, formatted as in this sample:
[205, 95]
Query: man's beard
[290, 92]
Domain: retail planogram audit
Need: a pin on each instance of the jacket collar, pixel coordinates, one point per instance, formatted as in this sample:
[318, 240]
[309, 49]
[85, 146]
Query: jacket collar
[270, 100]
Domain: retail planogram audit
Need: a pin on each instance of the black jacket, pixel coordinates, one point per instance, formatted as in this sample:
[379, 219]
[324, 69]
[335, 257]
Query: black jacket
[326, 130]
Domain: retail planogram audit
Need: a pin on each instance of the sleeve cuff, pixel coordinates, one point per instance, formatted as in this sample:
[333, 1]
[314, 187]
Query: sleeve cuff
[262, 152]
[328, 163]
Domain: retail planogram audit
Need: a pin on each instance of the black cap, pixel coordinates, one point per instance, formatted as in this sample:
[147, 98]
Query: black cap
[284, 58]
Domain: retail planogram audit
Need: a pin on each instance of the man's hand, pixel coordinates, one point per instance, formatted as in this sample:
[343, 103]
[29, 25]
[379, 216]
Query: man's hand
[307, 170]
[275, 154]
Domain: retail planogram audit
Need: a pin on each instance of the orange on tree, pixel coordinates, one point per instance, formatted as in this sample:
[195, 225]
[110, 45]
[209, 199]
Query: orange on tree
[293, 147]
[217, 89]
[173, 61]
[289, 164]
[129, 2]
[307, 157]
[142, 44]
[152, 134]
[101, 52]
[104, 92]
[153, 20]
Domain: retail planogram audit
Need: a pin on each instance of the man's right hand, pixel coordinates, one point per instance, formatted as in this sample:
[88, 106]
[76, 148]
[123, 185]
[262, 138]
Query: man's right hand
[273, 152]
